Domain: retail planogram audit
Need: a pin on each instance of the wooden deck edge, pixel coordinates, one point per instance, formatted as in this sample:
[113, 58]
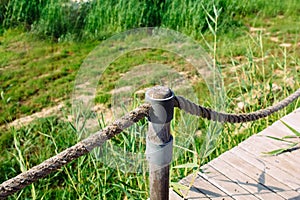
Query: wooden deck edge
[293, 119]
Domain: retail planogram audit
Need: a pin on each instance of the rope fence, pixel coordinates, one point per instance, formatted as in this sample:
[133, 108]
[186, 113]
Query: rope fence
[158, 138]
[209, 114]
[83, 147]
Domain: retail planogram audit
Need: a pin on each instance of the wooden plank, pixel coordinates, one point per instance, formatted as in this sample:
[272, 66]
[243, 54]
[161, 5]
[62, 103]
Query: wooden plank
[245, 173]
[173, 195]
[221, 198]
[293, 119]
[256, 145]
[279, 130]
[292, 156]
[258, 175]
[204, 187]
[244, 181]
[273, 171]
[223, 183]
[193, 192]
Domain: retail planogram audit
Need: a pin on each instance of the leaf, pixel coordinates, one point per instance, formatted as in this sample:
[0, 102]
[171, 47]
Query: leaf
[291, 128]
[207, 153]
[2, 95]
[72, 127]
[210, 17]
[178, 187]
[281, 150]
[279, 139]
[206, 43]
[275, 152]
[210, 27]
[216, 11]
[290, 137]
[187, 165]
[293, 145]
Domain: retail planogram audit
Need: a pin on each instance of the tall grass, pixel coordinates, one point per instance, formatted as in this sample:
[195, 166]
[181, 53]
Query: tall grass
[249, 82]
[97, 19]
[108, 17]
[16, 12]
[61, 20]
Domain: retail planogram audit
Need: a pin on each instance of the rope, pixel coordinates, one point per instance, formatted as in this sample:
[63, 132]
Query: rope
[85, 146]
[210, 114]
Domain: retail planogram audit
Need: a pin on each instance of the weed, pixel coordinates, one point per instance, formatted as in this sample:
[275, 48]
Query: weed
[286, 139]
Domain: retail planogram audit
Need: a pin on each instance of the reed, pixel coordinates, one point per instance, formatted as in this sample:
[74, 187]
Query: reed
[98, 19]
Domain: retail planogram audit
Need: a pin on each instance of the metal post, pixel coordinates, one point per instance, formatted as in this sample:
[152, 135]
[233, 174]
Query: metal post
[159, 143]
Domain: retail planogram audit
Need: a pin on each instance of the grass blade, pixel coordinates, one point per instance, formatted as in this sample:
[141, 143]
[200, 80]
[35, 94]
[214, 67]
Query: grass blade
[178, 187]
[291, 128]
[290, 137]
[275, 152]
[187, 165]
[279, 139]
[210, 27]
[281, 150]
[210, 17]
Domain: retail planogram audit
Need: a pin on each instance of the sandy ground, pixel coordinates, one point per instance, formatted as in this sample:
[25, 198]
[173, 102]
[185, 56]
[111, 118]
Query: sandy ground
[58, 111]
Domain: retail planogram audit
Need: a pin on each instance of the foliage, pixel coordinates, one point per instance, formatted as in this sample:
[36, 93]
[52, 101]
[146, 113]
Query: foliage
[84, 178]
[98, 19]
[35, 74]
[258, 71]
[21, 12]
[286, 139]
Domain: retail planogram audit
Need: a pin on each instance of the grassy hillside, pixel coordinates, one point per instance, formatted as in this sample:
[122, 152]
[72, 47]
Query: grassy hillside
[255, 44]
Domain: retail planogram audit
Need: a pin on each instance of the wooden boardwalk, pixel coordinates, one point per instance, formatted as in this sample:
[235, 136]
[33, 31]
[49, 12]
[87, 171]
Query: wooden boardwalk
[246, 173]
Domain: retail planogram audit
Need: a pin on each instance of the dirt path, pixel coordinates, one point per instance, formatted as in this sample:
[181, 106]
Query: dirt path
[45, 112]
[57, 111]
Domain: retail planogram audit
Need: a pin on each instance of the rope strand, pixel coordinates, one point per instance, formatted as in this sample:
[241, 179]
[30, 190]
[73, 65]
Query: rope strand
[210, 114]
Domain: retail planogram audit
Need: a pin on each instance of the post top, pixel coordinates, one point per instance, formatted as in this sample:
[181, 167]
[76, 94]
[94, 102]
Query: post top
[162, 102]
[159, 92]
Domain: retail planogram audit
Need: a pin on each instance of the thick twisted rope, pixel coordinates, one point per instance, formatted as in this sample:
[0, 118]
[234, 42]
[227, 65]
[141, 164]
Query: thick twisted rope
[85, 146]
[210, 114]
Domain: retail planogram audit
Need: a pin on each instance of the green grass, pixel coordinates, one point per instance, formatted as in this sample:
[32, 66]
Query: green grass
[287, 139]
[64, 20]
[38, 73]
[84, 178]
